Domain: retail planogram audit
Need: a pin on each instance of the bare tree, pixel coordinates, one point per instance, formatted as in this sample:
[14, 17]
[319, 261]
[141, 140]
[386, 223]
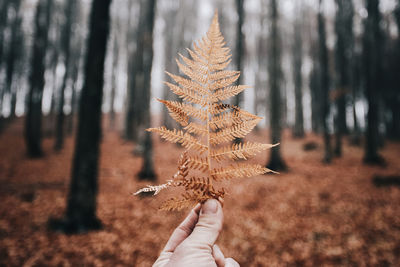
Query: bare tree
[81, 205]
[144, 81]
[66, 50]
[324, 83]
[33, 120]
[372, 54]
[297, 52]
[275, 76]
[343, 64]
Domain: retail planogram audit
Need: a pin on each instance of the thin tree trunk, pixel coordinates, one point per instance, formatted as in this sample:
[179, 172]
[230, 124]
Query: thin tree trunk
[344, 53]
[81, 205]
[275, 74]
[66, 47]
[33, 120]
[147, 172]
[239, 48]
[115, 60]
[14, 54]
[324, 85]
[372, 67]
[298, 81]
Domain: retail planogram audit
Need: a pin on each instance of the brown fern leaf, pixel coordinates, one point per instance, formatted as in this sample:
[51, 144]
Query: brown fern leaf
[207, 123]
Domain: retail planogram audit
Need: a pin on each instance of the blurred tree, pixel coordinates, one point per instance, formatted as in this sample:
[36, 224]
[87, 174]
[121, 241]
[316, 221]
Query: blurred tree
[372, 54]
[276, 162]
[324, 83]
[239, 48]
[33, 120]
[14, 53]
[81, 205]
[135, 53]
[343, 64]
[4, 4]
[115, 61]
[143, 81]
[297, 53]
[356, 88]
[174, 33]
[66, 52]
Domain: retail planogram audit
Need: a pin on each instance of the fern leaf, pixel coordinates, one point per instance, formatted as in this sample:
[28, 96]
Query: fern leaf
[181, 112]
[188, 94]
[227, 92]
[197, 129]
[235, 131]
[239, 151]
[197, 163]
[188, 84]
[207, 123]
[176, 136]
[224, 82]
[238, 171]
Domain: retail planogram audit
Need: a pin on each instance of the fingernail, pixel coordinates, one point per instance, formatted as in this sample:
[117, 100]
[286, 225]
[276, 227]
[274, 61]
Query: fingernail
[210, 207]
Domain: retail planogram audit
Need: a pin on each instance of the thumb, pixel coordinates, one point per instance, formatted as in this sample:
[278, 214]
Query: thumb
[208, 226]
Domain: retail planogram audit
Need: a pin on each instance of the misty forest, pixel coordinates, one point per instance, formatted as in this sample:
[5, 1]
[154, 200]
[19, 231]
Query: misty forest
[310, 86]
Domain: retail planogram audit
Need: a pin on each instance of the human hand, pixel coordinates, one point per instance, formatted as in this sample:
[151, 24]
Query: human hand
[193, 241]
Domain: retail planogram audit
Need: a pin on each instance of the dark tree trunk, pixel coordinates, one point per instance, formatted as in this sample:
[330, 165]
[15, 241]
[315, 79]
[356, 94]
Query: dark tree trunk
[66, 47]
[356, 84]
[33, 120]
[133, 66]
[174, 31]
[81, 206]
[147, 171]
[239, 48]
[14, 54]
[275, 74]
[324, 84]
[115, 59]
[343, 63]
[372, 55]
[298, 130]
[3, 24]
[238, 99]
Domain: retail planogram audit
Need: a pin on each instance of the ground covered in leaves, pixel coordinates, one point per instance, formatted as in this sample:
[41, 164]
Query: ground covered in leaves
[313, 215]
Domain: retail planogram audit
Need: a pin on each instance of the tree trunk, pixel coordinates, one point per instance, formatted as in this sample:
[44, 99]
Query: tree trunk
[298, 81]
[147, 172]
[343, 56]
[14, 55]
[66, 47]
[33, 120]
[239, 48]
[115, 59]
[276, 162]
[81, 205]
[372, 67]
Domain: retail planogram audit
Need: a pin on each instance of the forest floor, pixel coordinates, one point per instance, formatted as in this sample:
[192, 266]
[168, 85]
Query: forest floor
[314, 215]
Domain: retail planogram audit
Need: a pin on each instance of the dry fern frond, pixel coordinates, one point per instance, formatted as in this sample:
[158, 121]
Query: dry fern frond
[207, 124]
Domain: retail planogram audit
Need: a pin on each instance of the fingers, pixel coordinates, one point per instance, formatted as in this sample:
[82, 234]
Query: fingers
[229, 262]
[208, 227]
[183, 230]
[218, 256]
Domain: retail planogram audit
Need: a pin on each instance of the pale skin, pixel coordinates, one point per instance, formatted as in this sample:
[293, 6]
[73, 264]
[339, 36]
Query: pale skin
[193, 241]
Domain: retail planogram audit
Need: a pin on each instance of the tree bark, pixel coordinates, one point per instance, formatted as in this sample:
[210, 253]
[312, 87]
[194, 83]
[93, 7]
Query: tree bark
[324, 84]
[81, 205]
[343, 64]
[66, 47]
[14, 54]
[147, 172]
[298, 79]
[33, 120]
[372, 67]
[275, 75]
